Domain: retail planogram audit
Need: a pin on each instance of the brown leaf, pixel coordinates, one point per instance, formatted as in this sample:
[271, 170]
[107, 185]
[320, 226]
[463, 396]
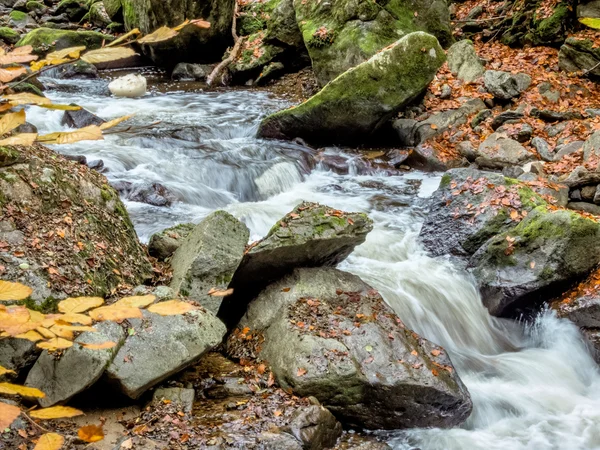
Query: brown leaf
[91, 433]
[8, 414]
[100, 346]
[301, 372]
[220, 292]
[436, 352]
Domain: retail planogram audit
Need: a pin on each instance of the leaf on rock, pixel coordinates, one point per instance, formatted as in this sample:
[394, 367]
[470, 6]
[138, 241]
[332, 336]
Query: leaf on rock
[200, 23]
[71, 52]
[7, 74]
[126, 36]
[61, 107]
[4, 371]
[26, 139]
[8, 414]
[16, 320]
[19, 55]
[56, 343]
[220, 292]
[140, 301]
[55, 412]
[32, 336]
[115, 122]
[91, 433]
[162, 34]
[26, 98]
[76, 318]
[592, 22]
[171, 308]
[23, 391]
[107, 54]
[115, 313]
[101, 346]
[10, 290]
[68, 327]
[50, 441]
[76, 305]
[301, 372]
[91, 133]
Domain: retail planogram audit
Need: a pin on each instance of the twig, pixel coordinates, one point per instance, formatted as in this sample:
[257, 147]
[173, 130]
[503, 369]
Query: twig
[585, 72]
[42, 70]
[234, 52]
[33, 422]
[479, 20]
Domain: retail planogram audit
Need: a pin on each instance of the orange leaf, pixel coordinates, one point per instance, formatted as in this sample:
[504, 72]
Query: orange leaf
[8, 414]
[91, 433]
[301, 372]
[171, 308]
[50, 441]
[101, 346]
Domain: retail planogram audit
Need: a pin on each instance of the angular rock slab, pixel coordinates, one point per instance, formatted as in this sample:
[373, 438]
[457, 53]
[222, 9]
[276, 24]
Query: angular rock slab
[464, 62]
[312, 235]
[17, 354]
[360, 100]
[498, 151]
[208, 258]
[161, 346]
[329, 335]
[78, 368]
[165, 243]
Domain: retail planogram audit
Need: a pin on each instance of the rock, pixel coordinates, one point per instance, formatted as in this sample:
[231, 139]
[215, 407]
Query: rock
[588, 192]
[531, 28]
[270, 72]
[504, 85]
[312, 235]
[466, 149]
[464, 62]
[567, 149]
[160, 347]
[208, 258]
[210, 43]
[61, 377]
[342, 35]
[545, 89]
[9, 36]
[38, 7]
[80, 118]
[446, 92]
[498, 151]
[580, 177]
[45, 40]
[550, 250]
[186, 71]
[596, 198]
[278, 441]
[315, 427]
[580, 55]
[543, 149]
[17, 354]
[481, 117]
[20, 19]
[98, 15]
[78, 69]
[575, 195]
[162, 245]
[555, 116]
[506, 117]
[591, 147]
[180, 396]
[588, 8]
[379, 87]
[363, 377]
[154, 194]
[132, 85]
[585, 207]
[95, 215]
[74, 9]
[96, 164]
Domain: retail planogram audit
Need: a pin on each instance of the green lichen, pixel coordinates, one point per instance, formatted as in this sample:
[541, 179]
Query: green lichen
[18, 16]
[47, 39]
[551, 29]
[445, 181]
[9, 35]
[48, 306]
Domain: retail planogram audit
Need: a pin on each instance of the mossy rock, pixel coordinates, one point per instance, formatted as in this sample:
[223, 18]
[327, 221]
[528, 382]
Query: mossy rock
[9, 156]
[74, 9]
[19, 18]
[113, 8]
[9, 36]
[31, 88]
[35, 6]
[531, 25]
[45, 40]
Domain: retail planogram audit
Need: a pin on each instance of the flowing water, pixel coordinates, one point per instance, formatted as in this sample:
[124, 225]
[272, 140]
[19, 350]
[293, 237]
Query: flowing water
[534, 385]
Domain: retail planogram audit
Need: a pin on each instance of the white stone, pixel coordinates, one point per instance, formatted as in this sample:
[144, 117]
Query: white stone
[132, 85]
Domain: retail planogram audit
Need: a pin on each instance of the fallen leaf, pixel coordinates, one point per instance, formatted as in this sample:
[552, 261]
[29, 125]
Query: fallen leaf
[301, 372]
[55, 412]
[4, 371]
[171, 308]
[140, 301]
[436, 352]
[56, 343]
[8, 414]
[50, 441]
[115, 313]
[13, 291]
[11, 121]
[76, 305]
[107, 54]
[91, 433]
[100, 346]
[25, 139]
[220, 292]
[23, 391]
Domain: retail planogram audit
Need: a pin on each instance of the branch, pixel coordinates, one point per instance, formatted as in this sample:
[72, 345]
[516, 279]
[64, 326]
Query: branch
[585, 72]
[234, 52]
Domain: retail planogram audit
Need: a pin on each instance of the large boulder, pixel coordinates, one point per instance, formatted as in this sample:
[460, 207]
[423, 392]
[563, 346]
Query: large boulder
[163, 244]
[61, 376]
[208, 43]
[518, 247]
[498, 151]
[208, 258]
[17, 354]
[464, 62]
[359, 101]
[160, 346]
[325, 333]
[340, 35]
[312, 235]
[67, 231]
[580, 55]
[45, 40]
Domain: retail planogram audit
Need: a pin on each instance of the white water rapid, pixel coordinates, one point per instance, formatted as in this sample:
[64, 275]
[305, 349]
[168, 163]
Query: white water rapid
[534, 385]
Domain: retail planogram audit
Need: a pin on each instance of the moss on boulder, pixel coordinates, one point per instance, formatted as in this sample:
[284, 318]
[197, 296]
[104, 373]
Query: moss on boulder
[9, 36]
[45, 40]
[360, 100]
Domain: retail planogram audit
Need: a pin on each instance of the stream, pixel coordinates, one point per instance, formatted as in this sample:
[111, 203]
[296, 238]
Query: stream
[534, 385]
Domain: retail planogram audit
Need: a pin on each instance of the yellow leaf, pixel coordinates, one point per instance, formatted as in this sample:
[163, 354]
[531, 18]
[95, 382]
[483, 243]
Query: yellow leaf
[25, 139]
[4, 371]
[32, 336]
[46, 333]
[17, 56]
[214, 292]
[76, 318]
[62, 332]
[181, 26]
[65, 326]
[171, 308]
[9, 290]
[55, 412]
[107, 54]
[115, 313]
[200, 23]
[75, 305]
[8, 74]
[50, 441]
[16, 320]
[25, 98]
[101, 346]
[123, 38]
[91, 133]
[60, 107]
[71, 52]
[8, 123]
[592, 22]
[23, 391]
[91, 433]
[162, 34]
[56, 343]
[115, 122]
[35, 66]
[8, 414]
[136, 302]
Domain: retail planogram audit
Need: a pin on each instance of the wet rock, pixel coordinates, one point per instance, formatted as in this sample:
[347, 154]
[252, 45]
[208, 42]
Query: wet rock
[17, 354]
[186, 71]
[160, 347]
[96, 164]
[498, 151]
[154, 194]
[387, 83]
[504, 85]
[80, 118]
[130, 86]
[579, 55]
[162, 245]
[81, 159]
[464, 62]
[76, 70]
[26, 128]
[179, 396]
[61, 377]
[543, 148]
[315, 427]
[208, 258]
[312, 235]
[45, 40]
[362, 376]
